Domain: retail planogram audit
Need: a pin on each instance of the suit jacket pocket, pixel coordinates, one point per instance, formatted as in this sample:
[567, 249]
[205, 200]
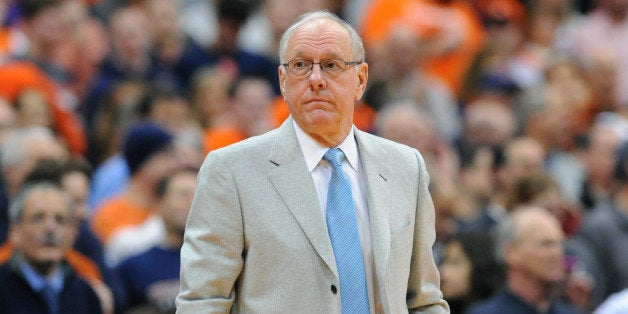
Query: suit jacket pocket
[403, 236]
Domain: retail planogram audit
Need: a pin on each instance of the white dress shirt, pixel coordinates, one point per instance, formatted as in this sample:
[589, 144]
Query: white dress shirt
[320, 170]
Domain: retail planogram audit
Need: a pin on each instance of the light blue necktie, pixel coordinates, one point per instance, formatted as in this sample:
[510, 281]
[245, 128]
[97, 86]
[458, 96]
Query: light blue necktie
[345, 240]
[51, 298]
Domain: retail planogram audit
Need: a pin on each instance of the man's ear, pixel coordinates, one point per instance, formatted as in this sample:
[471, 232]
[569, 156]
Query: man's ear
[282, 80]
[362, 78]
[14, 234]
[511, 254]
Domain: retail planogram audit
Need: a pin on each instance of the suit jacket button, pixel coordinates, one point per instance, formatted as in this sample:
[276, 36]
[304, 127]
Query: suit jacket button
[334, 290]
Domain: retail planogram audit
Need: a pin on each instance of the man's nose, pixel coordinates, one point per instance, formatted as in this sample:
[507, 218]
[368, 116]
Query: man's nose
[316, 77]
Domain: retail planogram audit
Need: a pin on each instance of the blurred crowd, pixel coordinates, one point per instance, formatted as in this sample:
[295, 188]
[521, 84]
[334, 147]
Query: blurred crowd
[519, 108]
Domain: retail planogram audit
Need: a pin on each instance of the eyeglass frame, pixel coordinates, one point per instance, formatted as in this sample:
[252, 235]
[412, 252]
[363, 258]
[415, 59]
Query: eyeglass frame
[347, 64]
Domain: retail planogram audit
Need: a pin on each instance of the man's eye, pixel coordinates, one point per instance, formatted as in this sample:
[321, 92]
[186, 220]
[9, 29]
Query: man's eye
[331, 65]
[300, 64]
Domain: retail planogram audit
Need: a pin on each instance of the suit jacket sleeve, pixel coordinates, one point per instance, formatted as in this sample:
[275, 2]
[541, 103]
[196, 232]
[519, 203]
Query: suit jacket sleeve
[424, 294]
[211, 256]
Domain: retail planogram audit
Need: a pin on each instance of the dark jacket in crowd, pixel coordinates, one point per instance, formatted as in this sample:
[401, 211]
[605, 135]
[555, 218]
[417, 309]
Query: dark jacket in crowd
[17, 296]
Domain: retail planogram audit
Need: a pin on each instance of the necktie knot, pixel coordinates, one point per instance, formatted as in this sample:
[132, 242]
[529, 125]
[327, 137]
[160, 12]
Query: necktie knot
[334, 156]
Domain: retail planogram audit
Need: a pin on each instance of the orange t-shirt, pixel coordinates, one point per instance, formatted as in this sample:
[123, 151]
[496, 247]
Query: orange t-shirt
[16, 76]
[428, 19]
[221, 136]
[115, 214]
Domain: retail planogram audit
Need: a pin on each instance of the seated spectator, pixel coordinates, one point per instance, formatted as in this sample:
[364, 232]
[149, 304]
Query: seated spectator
[16, 76]
[540, 189]
[248, 113]
[20, 151]
[601, 241]
[74, 177]
[521, 158]
[151, 278]
[126, 224]
[530, 244]
[129, 58]
[403, 81]
[38, 279]
[171, 109]
[469, 273]
[177, 53]
[406, 121]
[225, 51]
[116, 114]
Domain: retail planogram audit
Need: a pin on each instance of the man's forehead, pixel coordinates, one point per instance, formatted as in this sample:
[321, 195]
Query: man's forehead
[331, 43]
[42, 199]
[320, 29]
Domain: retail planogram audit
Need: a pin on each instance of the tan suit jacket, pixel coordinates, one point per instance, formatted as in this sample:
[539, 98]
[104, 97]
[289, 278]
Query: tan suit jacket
[256, 241]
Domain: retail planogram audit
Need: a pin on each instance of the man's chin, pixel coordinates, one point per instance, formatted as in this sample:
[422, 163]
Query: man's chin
[46, 260]
[43, 266]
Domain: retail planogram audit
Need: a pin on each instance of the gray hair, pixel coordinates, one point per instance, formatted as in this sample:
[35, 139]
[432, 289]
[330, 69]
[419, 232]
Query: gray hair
[16, 208]
[357, 46]
[508, 230]
[13, 150]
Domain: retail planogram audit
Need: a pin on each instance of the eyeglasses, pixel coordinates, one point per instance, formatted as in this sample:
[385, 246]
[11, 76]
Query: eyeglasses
[331, 67]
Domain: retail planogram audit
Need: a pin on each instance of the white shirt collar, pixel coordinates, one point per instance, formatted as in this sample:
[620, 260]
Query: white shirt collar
[314, 151]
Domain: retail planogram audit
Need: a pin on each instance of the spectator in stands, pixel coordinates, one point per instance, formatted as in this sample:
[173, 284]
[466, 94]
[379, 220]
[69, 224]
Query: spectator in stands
[476, 180]
[151, 278]
[248, 113]
[406, 122]
[119, 111]
[21, 150]
[599, 157]
[126, 224]
[45, 31]
[469, 272]
[74, 177]
[37, 279]
[488, 122]
[225, 50]
[450, 33]
[210, 94]
[540, 189]
[18, 76]
[402, 79]
[530, 244]
[521, 158]
[600, 243]
[171, 109]
[600, 38]
[178, 55]
[129, 58]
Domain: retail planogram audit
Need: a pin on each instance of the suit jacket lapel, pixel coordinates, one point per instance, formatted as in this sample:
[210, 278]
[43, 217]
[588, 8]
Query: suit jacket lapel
[290, 179]
[377, 172]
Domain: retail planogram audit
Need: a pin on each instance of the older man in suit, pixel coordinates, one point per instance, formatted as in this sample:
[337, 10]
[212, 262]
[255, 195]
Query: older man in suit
[284, 223]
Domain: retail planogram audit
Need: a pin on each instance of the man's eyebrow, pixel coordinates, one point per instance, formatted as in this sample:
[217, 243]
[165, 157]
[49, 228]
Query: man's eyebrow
[299, 54]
